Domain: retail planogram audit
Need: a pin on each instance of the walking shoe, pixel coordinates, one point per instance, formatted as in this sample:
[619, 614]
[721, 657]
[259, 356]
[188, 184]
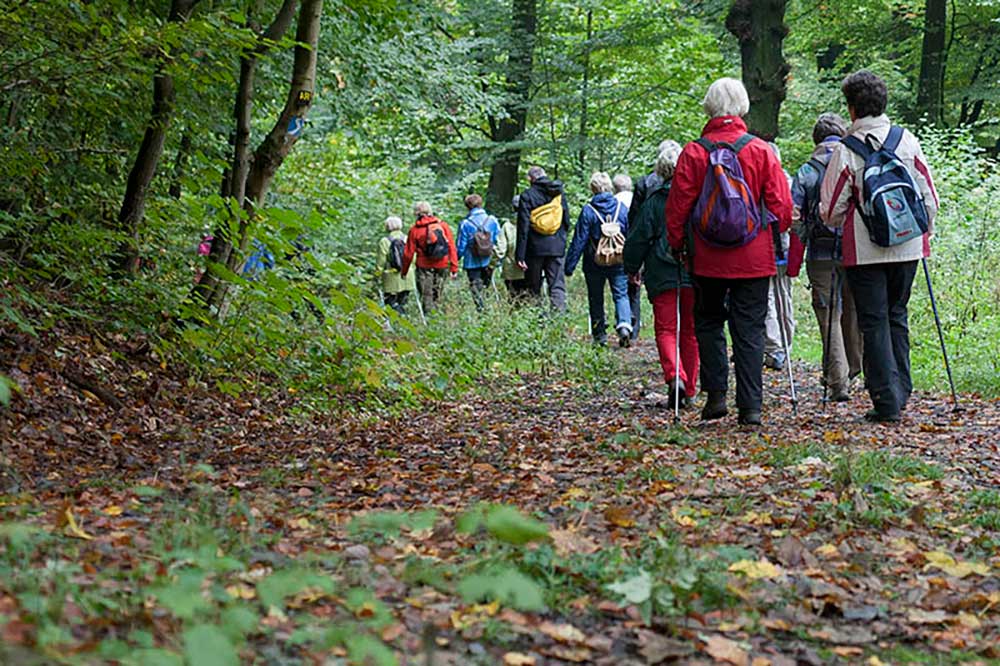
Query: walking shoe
[624, 337]
[774, 362]
[874, 416]
[715, 407]
[749, 417]
[840, 396]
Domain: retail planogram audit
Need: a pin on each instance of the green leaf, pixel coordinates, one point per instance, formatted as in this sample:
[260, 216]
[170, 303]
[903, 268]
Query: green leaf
[183, 598]
[364, 649]
[280, 585]
[508, 524]
[152, 657]
[6, 384]
[238, 621]
[635, 590]
[509, 587]
[206, 645]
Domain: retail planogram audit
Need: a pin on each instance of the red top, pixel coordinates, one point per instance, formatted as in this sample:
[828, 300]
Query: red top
[764, 176]
[416, 243]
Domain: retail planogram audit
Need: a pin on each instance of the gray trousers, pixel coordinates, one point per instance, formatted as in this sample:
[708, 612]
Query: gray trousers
[773, 324]
[551, 268]
[842, 345]
[430, 282]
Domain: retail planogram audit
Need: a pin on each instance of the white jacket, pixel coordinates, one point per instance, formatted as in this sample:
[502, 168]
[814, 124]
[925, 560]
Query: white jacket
[844, 182]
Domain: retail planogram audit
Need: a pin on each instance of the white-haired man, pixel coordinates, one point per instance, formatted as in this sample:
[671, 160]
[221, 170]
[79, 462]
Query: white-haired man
[542, 227]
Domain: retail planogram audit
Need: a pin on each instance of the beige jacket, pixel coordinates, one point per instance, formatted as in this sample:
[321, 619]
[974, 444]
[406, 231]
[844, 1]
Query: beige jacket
[844, 182]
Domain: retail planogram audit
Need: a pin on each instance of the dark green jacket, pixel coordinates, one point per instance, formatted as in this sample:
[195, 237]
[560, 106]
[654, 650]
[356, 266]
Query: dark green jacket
[647, 246]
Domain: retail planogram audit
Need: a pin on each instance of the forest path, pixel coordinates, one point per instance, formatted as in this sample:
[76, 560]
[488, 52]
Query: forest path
[817, 539]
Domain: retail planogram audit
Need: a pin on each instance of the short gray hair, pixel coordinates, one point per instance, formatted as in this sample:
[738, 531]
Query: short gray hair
[666, 161]
[827, 125]
[536, 172]
[600, 182]
[622, 183]
[393, 223]
[726, 97]
[422, 209]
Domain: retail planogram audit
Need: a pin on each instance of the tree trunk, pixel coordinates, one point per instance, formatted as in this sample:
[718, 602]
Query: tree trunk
[210, 290]
[930, 85]
[150, 150]
[759, 25]
[180, 164]
[584, 94]
[503, 174]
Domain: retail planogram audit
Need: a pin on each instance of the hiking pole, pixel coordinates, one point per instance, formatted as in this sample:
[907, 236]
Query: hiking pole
[780, 304]
[420, 307]
[677, 354]
[937, 321]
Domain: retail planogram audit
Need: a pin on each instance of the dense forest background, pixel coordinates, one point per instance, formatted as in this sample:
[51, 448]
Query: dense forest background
[128, 130]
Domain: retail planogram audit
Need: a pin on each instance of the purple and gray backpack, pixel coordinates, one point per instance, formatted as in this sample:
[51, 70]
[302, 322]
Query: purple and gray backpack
[726, 214]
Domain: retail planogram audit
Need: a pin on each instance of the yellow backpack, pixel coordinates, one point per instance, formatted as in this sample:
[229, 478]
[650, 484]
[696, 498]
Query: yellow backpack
[547, 218]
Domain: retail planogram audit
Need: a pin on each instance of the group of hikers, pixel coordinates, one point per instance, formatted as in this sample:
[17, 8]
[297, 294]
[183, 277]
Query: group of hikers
[715, 233]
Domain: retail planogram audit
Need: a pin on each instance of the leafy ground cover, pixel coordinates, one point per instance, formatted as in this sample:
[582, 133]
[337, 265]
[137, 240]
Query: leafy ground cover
[540, 520]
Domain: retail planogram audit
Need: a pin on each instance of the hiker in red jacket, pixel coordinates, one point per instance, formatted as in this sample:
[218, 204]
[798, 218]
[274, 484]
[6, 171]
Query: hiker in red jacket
[729, 244]
[431, 241]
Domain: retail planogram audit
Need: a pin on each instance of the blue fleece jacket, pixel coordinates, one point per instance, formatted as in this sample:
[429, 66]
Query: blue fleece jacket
[477, 219]
[588, 230]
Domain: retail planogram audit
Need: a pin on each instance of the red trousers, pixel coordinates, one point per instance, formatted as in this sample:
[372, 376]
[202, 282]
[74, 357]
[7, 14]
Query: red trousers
[665, 326]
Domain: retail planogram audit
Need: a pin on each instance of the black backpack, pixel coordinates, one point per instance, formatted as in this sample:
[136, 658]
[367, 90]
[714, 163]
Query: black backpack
[817, 234]
[397, 247]
[435, 242]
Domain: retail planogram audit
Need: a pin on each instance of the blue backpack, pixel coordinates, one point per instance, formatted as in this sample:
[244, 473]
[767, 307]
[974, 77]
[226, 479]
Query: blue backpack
[891, 206]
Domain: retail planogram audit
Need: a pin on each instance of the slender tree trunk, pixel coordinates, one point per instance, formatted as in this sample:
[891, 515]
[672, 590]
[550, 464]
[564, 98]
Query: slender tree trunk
[180, 164]
[930, 85]
[759, 25]
[150, 150]
[584, 95]
[210, 290]
[503, 174]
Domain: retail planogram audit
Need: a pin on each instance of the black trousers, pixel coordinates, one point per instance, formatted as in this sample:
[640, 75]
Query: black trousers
[397, 301]
[635, 301]
[479, 279]
[743, 303]
[881, 294]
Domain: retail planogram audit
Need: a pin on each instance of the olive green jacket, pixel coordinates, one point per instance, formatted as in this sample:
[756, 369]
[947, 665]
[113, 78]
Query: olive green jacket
[505, 251]
[646, 245]
[392, 283]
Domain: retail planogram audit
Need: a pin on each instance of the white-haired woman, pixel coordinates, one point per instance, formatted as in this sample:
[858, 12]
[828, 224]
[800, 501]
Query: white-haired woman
[602, 207]
[731, 249]
[396, 289]
[666, 281]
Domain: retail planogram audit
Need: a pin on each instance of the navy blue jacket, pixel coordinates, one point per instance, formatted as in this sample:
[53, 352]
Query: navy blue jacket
[529, 242]
[588, 230]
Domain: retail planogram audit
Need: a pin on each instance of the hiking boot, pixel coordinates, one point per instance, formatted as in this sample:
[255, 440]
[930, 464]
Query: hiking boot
[840, 395]
[774, 362]
[715, 407]
[875, 416]
[677, 392]
[749, 417]
[624, 337]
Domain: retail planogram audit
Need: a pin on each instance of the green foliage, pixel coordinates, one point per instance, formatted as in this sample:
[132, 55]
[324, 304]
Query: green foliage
[503, 522]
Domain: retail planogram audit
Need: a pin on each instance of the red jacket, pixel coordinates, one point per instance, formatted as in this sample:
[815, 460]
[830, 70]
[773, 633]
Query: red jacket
[764, 176]
[416, 243]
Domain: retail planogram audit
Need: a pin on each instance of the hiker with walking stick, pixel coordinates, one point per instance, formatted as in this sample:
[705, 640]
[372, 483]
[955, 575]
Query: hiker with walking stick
[878, 189]
[667, 285]
[714, 215]
[831, 299]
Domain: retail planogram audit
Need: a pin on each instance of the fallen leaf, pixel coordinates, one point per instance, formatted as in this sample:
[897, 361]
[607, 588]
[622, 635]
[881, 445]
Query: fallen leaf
[571, 542]
[564, 633]
[948, 564]
[919, 616]
[113, 510]
[518, 659]
[755, 569]
[682, 519]
[72, 529]
[619, 517]
[723, 649]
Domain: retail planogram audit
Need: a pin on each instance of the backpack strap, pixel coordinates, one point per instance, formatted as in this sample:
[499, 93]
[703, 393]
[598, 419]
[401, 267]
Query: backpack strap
[891, 142]
[816, 164]
[857, 146]
[709, 146]
[742, 142]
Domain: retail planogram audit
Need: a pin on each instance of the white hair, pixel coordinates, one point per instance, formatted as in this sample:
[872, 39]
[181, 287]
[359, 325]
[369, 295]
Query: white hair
[393, 223]
[666, 161]
[536, 172]
[726, 97]
[422, 209]
[622, 183]
[600, 182]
